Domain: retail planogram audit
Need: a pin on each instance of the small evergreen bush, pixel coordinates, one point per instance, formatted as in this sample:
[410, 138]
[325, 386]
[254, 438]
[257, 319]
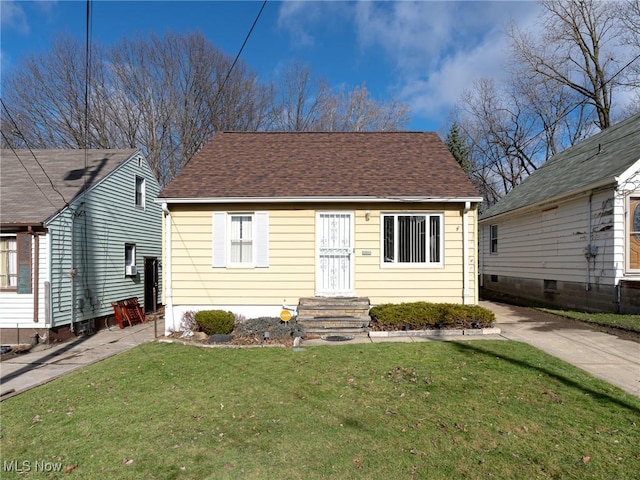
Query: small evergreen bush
[214, 322]
[427, 316]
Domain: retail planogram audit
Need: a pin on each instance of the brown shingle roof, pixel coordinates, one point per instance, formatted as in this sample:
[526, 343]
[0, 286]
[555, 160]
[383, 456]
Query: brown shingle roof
[298, 165]
[26, 193]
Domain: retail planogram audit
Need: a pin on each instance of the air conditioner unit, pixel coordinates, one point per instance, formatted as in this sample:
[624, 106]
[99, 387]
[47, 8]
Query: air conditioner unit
[131, 270]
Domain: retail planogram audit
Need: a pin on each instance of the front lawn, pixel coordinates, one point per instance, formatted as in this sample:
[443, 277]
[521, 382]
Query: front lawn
[431, 410]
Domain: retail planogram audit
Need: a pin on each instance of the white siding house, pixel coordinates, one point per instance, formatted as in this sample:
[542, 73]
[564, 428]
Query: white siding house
[569, 235]
[78, 231]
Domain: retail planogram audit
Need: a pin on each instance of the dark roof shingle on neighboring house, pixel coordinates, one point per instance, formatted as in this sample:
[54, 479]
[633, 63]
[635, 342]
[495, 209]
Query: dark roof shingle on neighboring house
[322, 165]
[600, 158]
[26, 193]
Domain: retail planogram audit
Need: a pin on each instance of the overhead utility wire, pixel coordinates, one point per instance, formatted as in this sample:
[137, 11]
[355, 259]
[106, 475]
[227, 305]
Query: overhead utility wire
[33, 154]
[87, 78]
[27, 170]
[246, 39]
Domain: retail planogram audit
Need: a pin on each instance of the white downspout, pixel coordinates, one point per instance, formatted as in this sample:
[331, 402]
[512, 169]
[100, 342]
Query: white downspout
[168, 290]
[72, 271]
[465, 253]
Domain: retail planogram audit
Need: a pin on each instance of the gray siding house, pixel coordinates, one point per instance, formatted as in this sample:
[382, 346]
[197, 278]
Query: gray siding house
[78, 230]
[569, 235]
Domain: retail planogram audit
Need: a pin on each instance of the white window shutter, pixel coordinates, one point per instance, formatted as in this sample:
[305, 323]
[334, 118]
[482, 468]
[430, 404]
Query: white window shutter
[262, 239]
[219, 243]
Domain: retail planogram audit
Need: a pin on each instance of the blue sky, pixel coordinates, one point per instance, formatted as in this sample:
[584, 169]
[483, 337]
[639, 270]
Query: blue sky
[423, 53]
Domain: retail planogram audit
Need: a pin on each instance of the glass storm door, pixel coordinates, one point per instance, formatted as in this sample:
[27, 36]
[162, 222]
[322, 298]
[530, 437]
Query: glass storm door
[334, 268]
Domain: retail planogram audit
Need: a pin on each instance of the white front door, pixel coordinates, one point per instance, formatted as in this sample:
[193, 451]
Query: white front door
[334, 267]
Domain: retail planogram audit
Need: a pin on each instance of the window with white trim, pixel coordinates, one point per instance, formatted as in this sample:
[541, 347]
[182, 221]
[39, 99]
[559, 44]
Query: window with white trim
[240, 239]
[493, 238]
[8, 262]
[412, 239]
[130, 268]
[140, 192]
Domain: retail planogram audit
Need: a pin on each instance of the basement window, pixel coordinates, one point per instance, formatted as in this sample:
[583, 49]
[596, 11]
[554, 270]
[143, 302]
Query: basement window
[550, 286]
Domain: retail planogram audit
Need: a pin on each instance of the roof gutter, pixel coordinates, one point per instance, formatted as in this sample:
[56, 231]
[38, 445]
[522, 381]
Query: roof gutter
[319, 200]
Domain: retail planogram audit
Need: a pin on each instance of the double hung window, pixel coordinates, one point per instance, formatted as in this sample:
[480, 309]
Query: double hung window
[140, 192]
[8, 262]
[240, 239]
[493, 238]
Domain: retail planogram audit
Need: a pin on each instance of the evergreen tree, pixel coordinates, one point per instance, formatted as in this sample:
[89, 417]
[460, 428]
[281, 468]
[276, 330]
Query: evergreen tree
[459, 148]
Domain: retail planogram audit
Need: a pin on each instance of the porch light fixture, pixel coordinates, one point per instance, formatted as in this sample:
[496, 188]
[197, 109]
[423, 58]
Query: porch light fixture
[367, 215]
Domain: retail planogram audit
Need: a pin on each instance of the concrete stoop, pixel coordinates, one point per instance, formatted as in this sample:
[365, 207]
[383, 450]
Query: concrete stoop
[326, 315]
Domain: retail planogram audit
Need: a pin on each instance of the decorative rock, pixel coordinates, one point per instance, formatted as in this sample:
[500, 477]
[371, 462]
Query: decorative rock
[199, 336]
[218, 338]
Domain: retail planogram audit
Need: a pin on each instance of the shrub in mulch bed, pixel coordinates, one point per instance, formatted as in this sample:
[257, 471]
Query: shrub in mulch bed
[429, 316]
[253, 329]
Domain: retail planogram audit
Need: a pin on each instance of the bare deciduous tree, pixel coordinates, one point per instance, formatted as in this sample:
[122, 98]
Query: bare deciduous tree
[562, 88]
[308, 104]
[576, 50]
[166, 95]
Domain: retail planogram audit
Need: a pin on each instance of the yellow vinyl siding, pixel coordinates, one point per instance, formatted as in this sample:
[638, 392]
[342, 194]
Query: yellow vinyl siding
[292, 257]
[291, 260]
[395, 283]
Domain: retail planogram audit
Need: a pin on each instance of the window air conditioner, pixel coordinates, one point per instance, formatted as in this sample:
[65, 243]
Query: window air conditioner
[131, 270]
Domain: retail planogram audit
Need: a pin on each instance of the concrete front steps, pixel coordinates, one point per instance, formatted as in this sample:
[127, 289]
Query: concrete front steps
[334, 315]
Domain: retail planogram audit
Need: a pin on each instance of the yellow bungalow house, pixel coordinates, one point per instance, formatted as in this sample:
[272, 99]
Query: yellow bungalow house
[256, 220]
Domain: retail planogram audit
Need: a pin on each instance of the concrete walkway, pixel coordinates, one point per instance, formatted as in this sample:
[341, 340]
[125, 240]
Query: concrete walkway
[44, 363]
[605, 356]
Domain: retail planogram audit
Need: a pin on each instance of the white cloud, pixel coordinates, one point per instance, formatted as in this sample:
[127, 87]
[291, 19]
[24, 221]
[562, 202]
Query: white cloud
[438, 49]
[433, 93]
[300, 18]
[12, 16]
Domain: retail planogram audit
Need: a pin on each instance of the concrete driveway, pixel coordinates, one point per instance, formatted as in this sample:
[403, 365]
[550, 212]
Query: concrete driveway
[604, 355]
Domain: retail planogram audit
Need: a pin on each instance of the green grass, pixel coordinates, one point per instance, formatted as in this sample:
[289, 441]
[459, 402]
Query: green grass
[624, 322]
[432, 410]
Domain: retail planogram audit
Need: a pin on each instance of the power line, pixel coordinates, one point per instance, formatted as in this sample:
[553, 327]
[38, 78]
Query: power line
[246, 39]
[33, 154]
[86, 91]
[27, 170]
